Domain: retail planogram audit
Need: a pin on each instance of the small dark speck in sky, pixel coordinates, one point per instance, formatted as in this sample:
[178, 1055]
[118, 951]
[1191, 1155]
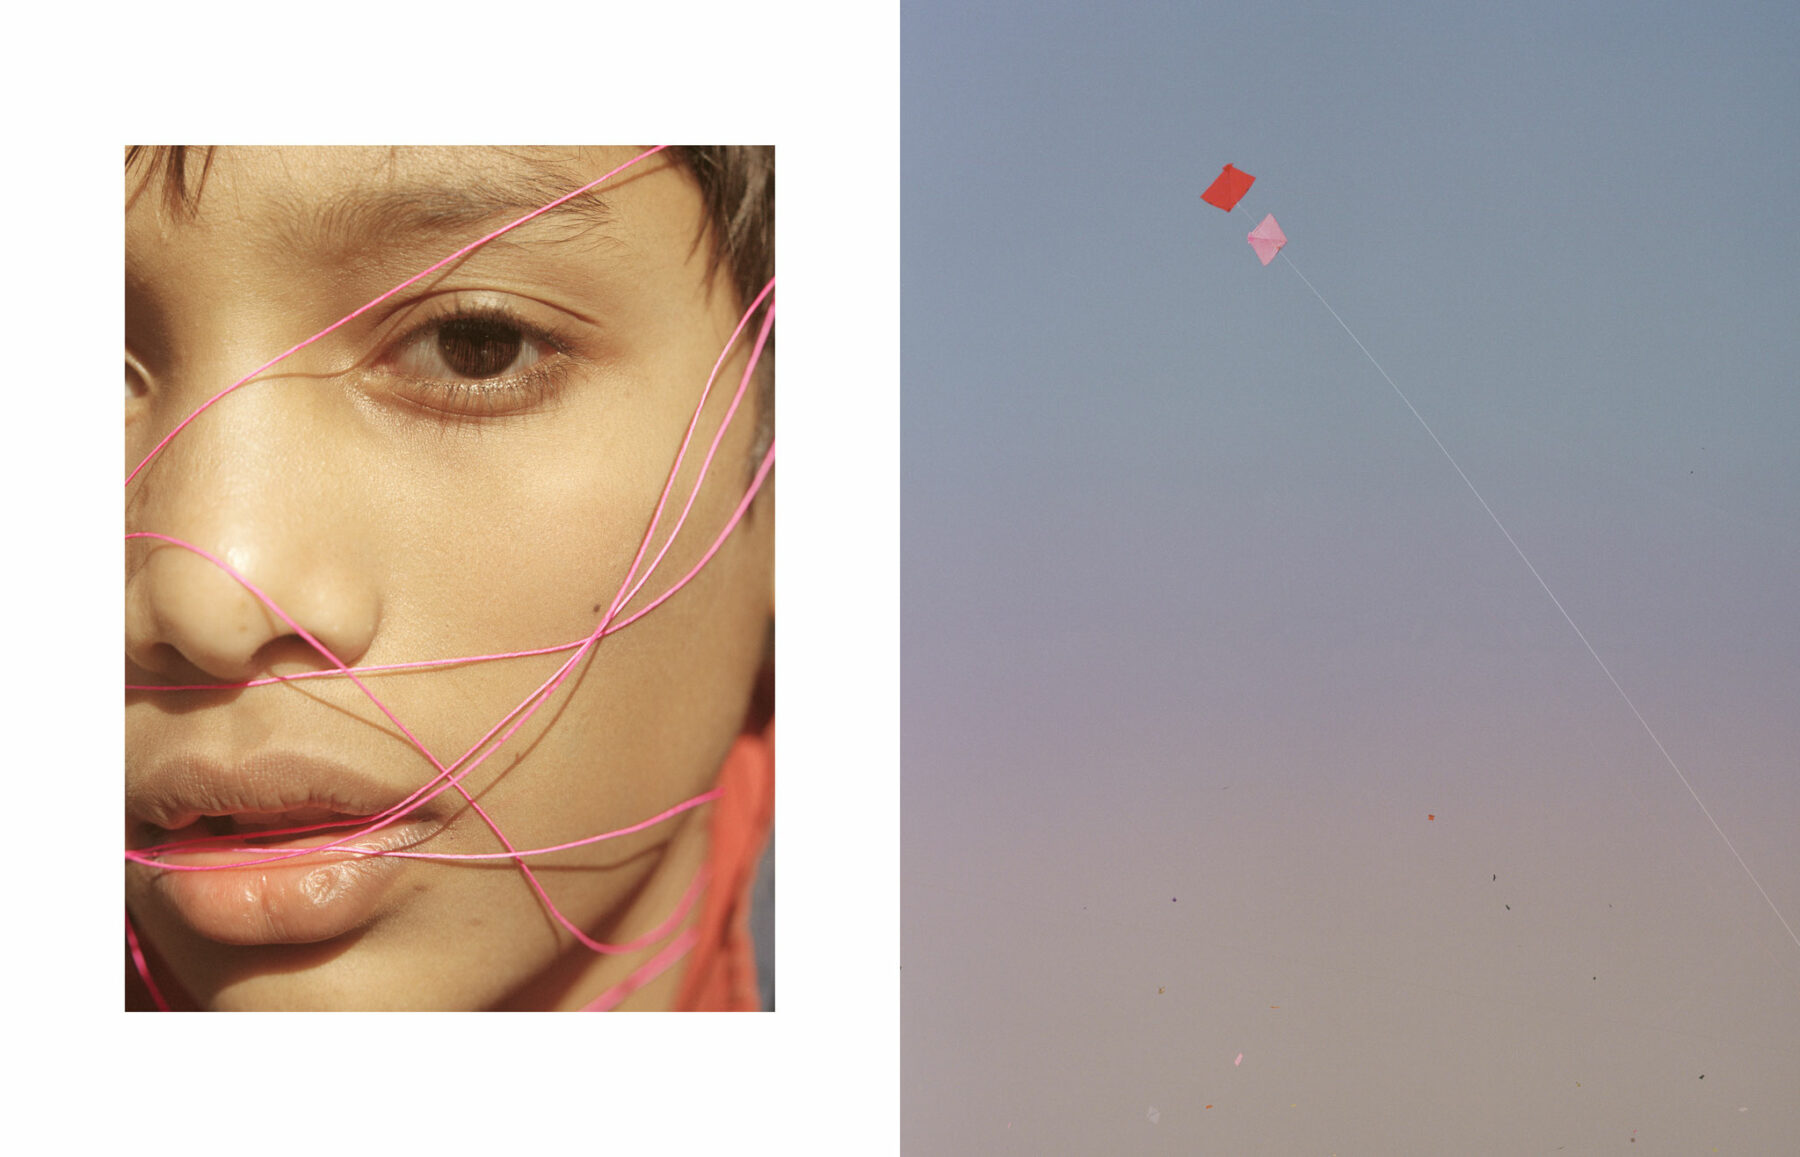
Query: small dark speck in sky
[1509, 907]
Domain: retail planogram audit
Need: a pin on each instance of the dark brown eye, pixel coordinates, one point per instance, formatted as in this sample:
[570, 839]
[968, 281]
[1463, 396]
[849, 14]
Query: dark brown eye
[483, 362]
[478, 347]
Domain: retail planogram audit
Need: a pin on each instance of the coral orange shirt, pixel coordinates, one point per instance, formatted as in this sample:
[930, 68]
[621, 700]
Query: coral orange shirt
[721, 969]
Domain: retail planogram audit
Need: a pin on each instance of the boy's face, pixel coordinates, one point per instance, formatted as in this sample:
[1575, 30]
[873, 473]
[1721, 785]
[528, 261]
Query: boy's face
[466, 469]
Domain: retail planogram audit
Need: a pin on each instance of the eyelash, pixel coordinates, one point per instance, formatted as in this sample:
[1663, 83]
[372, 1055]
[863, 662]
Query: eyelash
[482, 397]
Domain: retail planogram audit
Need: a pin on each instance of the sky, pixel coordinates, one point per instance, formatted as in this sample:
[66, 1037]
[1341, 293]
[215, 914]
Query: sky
[1256, 797]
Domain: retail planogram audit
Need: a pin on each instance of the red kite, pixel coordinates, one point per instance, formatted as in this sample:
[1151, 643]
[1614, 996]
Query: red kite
[1229, 189]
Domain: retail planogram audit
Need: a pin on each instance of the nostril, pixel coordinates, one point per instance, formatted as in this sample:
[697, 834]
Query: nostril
[164, 662]
[186, 661]
[291, 653]
[164, 659]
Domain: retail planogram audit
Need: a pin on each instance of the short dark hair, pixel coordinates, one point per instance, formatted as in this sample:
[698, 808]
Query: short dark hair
[737, 190]
[737, 185]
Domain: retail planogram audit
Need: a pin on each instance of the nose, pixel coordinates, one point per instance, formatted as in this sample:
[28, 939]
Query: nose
[184, 609]
[250, 488]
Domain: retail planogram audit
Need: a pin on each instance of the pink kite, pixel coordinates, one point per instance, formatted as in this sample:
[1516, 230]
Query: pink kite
[1229, 189]
[1267, 239]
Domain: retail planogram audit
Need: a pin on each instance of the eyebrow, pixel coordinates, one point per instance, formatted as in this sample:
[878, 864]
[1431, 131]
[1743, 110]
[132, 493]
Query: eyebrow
[408, 215]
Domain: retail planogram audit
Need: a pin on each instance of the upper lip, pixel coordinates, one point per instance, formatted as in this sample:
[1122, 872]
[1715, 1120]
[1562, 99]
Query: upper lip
[177, 792]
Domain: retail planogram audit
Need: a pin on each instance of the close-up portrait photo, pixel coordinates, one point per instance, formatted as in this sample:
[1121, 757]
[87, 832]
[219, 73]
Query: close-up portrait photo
[449, 578]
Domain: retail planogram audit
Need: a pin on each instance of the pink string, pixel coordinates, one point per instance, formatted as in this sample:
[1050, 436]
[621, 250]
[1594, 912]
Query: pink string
[528, 707]
[141, 858]
[761, 337]
[609, 1000]
[143, 967]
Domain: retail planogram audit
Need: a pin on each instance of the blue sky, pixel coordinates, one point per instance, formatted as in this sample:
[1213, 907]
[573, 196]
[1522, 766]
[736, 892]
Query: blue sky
[1199, 625]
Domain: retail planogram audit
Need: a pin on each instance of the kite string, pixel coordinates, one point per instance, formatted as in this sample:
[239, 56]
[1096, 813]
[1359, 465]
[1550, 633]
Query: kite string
[1517, 549]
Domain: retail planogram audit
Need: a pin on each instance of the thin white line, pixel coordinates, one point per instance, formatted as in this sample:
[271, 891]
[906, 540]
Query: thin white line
[1554, 599]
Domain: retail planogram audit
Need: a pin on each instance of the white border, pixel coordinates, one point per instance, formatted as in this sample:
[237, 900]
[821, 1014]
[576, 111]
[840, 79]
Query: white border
[821, 1075]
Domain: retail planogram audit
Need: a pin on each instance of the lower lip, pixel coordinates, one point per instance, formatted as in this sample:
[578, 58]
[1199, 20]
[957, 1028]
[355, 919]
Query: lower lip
[301, 900]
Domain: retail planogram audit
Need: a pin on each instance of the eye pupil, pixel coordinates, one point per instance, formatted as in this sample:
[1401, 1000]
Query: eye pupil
[477, 348]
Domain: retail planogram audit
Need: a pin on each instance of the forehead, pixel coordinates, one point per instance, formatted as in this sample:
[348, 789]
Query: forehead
[340, 202]
[325, 173]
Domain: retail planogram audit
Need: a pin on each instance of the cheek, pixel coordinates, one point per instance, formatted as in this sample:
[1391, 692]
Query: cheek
[512, 556]
[523, 544]
[490, 563]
